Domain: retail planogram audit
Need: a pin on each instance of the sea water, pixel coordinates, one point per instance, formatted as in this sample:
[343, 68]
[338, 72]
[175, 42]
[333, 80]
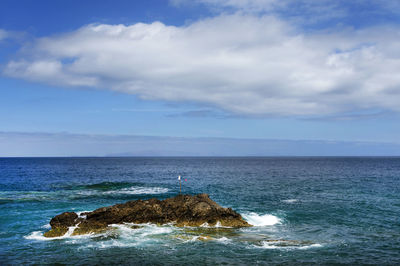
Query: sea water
[304, 210]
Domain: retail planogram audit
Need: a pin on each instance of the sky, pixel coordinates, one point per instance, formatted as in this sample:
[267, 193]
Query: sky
[199, 78]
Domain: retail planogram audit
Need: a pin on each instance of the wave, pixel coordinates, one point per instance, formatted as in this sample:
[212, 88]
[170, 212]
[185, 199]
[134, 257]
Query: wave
[102, 186]
[139, 190]
[136, 235]
[119, 187]
[261, 220]
[133, 235]
[107, 189]
[121, 232]
[46, 226]
[145, 235]
[38, 235]
[25, 196]
[290, 200]
[141, 231]
[119, 192]
[224, 240]
[286, 244]
[115, 189]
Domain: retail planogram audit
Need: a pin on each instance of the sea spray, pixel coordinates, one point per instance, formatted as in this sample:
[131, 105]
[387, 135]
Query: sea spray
[261, 220]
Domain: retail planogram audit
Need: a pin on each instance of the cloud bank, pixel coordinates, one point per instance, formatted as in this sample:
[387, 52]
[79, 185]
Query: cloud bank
[20, 144]
[241, 63]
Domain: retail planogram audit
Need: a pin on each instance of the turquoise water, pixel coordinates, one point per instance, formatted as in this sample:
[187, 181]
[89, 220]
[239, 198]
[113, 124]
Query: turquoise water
[304, 210]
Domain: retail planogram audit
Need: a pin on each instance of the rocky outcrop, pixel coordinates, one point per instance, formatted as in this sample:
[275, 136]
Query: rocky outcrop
[183, 210]
[60, 224]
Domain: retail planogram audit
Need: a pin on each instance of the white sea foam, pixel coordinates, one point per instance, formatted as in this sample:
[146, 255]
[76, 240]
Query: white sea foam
[147, 234]
[261, 220]
[290, 200]
[192, 239]
[138, 190]
[205, 225]
[285, 245]
[311, 246]
[46, 226]
[71, 230]
[123, 191]
[38, 235]
[80, 214]
[224, 240]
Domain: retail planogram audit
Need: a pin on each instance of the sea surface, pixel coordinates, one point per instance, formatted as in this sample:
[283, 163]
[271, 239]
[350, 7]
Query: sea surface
[316, 210]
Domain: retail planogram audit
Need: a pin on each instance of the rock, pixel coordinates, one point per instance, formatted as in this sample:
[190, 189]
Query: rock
[65, 219]
[60, 223]
[183, 210]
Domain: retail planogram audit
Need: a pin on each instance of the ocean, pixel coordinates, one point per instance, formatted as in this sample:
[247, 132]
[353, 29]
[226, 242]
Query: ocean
[305, 210]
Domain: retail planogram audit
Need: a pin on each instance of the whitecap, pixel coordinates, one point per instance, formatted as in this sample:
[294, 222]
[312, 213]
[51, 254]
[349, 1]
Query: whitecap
[46, 226]
[261, 220]
[285, 245]
[146, 234]
[290, 200]
[139, 190]
[37, 235]
[311, 246]
[224, 240]
[122, 191]
[144, 230]
[192, 239]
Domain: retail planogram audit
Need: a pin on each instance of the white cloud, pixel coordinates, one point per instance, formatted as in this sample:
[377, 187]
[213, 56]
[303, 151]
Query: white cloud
[23, 144]
[308, 13]
[279, 5]
[3, 35]
[248, 5]
[240, 63]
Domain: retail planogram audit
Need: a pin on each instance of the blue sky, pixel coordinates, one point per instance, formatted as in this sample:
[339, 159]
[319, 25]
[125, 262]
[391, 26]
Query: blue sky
[238, 72]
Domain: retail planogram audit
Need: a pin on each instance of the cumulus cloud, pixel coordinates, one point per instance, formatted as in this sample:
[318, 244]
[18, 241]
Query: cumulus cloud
[244, 64]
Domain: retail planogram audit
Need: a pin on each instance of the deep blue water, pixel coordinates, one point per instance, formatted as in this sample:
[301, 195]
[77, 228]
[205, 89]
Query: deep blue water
[305, 210]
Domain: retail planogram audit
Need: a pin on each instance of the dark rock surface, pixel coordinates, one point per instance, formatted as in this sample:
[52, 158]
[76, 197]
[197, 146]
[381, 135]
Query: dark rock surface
[183, 210]
[60, 224]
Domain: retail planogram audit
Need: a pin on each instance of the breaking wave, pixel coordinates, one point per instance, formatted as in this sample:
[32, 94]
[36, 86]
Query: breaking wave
[261, 220]
[285, 244]
[38, 235]
[290, 200]
[139, 190]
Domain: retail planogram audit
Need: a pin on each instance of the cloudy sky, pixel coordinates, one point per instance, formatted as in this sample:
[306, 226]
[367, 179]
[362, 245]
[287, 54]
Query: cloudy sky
[199, 77]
